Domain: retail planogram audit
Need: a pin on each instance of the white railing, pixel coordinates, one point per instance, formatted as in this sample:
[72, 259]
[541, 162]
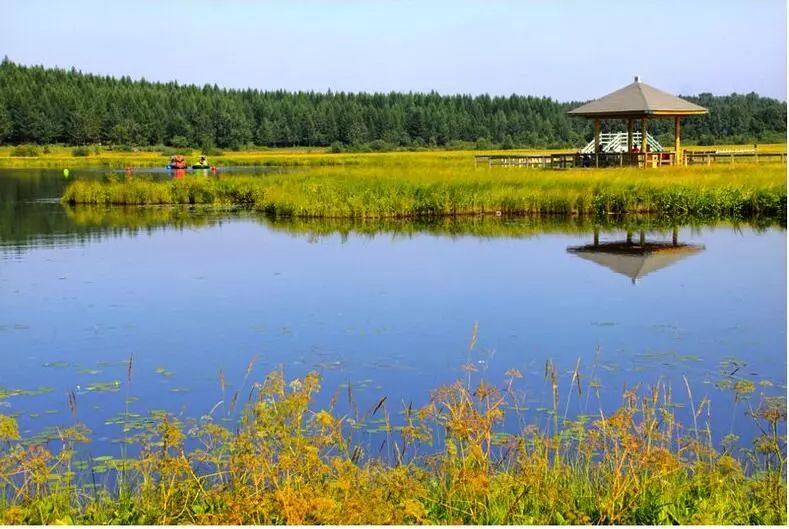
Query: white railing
[615, 142]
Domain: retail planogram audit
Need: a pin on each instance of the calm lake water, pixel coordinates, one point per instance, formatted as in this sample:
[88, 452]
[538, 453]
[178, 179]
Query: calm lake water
[385, 307]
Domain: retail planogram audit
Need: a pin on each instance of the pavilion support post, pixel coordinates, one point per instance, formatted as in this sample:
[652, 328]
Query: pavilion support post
[630, 135]
[644, 140]
[677, 152]
[597, 135]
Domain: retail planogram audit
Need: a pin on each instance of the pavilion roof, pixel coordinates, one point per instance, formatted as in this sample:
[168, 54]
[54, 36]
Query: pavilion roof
[633, 261]
[637, 100]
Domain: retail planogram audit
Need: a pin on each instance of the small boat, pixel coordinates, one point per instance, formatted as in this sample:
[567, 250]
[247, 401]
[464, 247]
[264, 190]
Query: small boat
[202, 164]
[177, 162]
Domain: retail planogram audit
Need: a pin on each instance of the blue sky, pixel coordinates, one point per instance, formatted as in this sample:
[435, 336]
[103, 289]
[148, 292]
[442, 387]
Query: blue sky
[569, 50]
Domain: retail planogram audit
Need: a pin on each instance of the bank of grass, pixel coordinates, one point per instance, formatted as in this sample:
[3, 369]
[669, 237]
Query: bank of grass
[447, 462]
[402, 187]
[59, 156]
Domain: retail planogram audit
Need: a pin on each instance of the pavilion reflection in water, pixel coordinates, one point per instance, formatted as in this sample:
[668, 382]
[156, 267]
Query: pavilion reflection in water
[635, 259]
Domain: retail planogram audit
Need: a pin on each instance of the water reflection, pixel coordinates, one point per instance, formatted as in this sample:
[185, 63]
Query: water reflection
[635, 259]
[31, 216]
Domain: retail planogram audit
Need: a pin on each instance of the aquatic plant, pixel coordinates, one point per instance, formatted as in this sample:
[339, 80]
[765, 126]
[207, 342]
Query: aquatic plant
[448, 461]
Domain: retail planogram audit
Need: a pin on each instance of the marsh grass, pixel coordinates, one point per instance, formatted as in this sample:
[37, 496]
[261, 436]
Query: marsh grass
[448, 461]
[59, 156]
[452, 188]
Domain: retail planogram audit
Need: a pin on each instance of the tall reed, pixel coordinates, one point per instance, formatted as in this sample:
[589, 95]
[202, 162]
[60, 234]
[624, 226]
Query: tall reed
[448, 461]
[450, 189]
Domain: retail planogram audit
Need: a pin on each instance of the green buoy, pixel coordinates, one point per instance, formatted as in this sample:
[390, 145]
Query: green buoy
[65, 173]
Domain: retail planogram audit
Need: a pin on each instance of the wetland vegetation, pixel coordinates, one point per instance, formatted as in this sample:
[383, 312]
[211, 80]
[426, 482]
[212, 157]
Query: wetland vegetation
[425, 186]
[447, 461]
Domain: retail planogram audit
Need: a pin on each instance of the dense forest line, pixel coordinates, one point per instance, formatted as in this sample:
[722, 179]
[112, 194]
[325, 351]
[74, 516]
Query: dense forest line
[49, 105]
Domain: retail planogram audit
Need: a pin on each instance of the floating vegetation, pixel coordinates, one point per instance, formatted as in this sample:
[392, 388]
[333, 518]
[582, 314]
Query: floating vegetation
[6, 393]
[445, 461]
[60, 364]
[164, 372]
[113, 385]
[669, 355]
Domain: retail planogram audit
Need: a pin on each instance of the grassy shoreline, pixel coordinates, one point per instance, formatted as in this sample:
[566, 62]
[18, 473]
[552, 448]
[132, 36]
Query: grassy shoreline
[60, 157]
[403, 187]
[286, 461]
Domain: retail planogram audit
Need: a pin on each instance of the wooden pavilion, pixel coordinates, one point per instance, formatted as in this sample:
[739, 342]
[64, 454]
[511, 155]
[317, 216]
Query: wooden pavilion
[639, 101]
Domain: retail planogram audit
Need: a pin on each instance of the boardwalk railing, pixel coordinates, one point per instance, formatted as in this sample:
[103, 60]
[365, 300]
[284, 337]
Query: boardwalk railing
[650, 159]
[568, 160]
[711, 157]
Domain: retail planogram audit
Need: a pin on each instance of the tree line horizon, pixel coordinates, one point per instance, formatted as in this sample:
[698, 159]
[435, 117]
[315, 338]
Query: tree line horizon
[40, 105]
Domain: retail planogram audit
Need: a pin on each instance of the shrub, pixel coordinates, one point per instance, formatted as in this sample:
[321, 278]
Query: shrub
[379, 146]
[483, 144]
[25, 150]
[336, 147]
[80, 151]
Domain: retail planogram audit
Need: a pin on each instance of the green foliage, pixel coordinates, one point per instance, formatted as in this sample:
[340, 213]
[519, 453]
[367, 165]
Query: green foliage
[80, 151]
[427, 186]
[211, 151]
[179, 142]
[6, 125]
[28, 151]
[483, 144]
[44, 105]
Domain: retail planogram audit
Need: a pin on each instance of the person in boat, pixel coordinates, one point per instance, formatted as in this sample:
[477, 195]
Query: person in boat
[177, 162]
[203, 160]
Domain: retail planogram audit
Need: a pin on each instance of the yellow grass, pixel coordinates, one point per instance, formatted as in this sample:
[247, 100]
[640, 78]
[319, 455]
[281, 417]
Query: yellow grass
[61, 157]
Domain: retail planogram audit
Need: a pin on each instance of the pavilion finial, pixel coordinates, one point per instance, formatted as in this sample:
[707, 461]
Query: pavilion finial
[637, 79]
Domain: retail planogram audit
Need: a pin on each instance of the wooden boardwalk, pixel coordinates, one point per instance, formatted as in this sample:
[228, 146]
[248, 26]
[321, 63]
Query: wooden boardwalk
[657, 159]
[569, 160]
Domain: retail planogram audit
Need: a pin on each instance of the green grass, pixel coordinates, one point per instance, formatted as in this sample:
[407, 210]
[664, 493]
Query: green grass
[60, 156]
[446, 462]
[432, 186]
